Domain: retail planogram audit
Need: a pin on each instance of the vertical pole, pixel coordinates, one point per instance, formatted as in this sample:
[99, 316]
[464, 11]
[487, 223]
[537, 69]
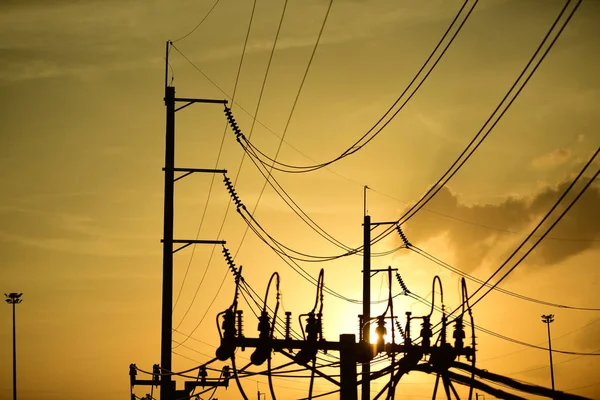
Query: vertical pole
[14, 353]
[348, 389]
[166, 390]
[550, 350]
[366, 368]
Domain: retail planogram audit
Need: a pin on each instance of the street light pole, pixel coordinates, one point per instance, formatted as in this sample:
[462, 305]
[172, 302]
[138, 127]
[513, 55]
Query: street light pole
[548, 319]
[14, 299]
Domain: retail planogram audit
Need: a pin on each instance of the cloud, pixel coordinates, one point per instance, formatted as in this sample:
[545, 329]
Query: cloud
[552, 159]
[488, 233]
[70, 233]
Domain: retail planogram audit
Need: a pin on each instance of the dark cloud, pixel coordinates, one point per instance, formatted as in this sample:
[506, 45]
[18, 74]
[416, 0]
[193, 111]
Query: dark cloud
[474, 231]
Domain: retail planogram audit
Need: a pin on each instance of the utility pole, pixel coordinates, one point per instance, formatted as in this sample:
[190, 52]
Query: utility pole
[167, 283]
[167, 386]
[366, 320]
[366, 312]
[14, 299]
[548, 319]
[348, 382]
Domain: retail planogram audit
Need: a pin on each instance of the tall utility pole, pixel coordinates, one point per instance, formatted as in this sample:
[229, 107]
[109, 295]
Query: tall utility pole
[167, 386]
[167, 283]
[366, 319]
[548, 319]
[14, 299]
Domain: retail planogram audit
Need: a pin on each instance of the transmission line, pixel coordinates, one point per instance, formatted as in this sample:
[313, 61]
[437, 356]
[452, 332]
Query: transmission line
[199, 23]
[211, 186]
[449, 267]
[496, 116]
[560, 199]
[374, 130]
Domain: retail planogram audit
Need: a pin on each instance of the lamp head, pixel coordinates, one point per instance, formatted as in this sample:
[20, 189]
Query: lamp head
[548, 318]
[13, 298]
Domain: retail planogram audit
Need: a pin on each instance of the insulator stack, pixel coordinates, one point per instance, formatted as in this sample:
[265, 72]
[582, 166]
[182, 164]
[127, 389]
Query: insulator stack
[403, 236]
[408, 339]
[240, 326]
[228, 325]
[232, 192]
[320, 326]
[444, 325]
[288, 323]
[402, 284]
[400, 329]
[426, 333]
[231, 264]
[312, 328]
[231, 120]
[264, 326]
[459, 334]
[240, 323]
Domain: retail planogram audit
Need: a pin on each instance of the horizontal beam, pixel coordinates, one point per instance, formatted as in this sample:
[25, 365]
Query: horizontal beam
[282, 344]
[190, 241]
[383, 223]
[215, 171]
[190, 100]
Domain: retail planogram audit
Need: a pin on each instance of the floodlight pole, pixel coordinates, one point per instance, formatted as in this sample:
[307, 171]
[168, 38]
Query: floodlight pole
[14, 299]
[548, 319]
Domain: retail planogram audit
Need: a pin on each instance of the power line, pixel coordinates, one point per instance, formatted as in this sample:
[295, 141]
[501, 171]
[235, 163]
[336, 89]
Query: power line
[481, 136]
[297, 268]
[199, 23]
[212, 183]
[495, 228]
[369, 135]
[546, 366]
[504, 337]
[449, 267]
[536, 228]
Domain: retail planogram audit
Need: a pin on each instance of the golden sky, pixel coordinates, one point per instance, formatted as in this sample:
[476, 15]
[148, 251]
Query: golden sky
[83, 146]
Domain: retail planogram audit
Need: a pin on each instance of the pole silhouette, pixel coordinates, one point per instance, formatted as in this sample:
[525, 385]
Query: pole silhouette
[14, 299]
[548, 319]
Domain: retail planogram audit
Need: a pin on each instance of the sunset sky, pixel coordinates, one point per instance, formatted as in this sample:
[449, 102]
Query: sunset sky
[81, 211]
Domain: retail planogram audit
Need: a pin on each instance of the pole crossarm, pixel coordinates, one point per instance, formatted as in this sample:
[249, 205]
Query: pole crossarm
[189, 171]
[376, 271]
[188, 242]
[384, 223]
[190, 101]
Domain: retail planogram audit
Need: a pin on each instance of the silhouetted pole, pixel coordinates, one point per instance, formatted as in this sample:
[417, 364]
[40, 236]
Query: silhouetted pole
[348, 383]
[167, 284]
[14, 299]
[366, 333]
[548, 319]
